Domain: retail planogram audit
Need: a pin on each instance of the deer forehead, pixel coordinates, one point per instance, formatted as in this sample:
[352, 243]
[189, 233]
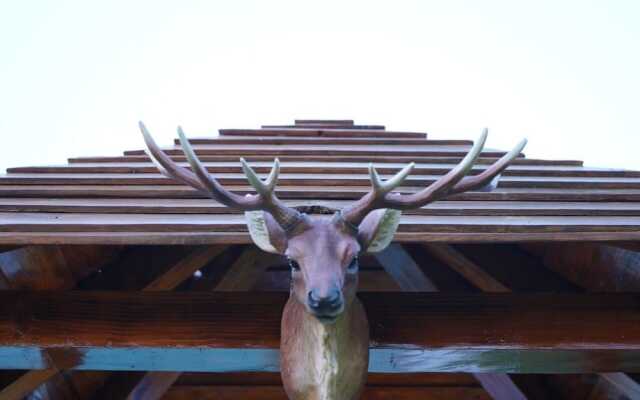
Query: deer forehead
[323, 241]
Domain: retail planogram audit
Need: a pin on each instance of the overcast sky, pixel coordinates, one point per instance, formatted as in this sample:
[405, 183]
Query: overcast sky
[76, 76]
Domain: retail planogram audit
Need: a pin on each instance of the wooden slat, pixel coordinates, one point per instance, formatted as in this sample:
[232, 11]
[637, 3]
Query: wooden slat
[321, 132]
[315, 192]
[208, 206]
[160, 330]
[312, 141]
[277, 393]
[373, 379]
[333, 150]
[303, 180]
[263, 167]
[327, 158]
[348, 122]
[69, 222]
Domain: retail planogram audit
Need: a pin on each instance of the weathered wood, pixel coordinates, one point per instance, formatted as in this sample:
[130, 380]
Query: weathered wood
[327, 158]
[277, 393]
[279, 140]
[335, 132]
[466, 333]
[594, 267]
[465, 267]
[185, 268]
[399, 264]
[241, 275]
[624, 383]
[70, 222]
[209, 206]
[336, 149]
[303, 180]
[327, 167]
[27, 383]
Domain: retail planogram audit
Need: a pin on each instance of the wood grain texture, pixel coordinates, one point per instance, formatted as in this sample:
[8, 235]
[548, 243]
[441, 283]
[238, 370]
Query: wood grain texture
[277, 393]
[489, 332]
[326, 167]
[327, 158]
[410, 277]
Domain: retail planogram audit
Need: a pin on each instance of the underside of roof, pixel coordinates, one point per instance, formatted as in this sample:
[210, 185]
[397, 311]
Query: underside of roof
[119, 283]
[125, 200]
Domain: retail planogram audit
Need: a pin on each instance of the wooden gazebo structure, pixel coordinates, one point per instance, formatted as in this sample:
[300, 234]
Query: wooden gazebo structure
[120, 283]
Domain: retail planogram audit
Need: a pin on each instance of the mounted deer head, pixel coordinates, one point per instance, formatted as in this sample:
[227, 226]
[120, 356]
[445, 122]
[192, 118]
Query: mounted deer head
[323, 252]
[324, 347]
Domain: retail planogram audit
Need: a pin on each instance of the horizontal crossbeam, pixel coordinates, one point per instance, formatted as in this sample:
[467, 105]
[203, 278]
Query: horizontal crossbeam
[410, 332]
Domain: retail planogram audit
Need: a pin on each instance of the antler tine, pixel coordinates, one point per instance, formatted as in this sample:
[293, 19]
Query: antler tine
[166, 165]
[267, 187]
[215, 189]
[200, 179]
[455, 181]
[446, 182]
[383, 187]
[490, 175]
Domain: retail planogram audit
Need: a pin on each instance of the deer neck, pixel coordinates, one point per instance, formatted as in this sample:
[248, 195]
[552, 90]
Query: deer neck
[324, 361]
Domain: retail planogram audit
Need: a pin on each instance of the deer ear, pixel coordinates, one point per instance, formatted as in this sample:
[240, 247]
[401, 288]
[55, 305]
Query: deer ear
[376, 231]
[265, 232]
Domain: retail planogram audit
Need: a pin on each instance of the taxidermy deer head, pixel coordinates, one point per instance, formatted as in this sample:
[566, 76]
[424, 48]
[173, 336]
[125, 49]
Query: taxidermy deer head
[323, 255]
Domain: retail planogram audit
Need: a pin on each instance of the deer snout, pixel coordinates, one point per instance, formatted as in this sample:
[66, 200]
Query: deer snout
[326, 305]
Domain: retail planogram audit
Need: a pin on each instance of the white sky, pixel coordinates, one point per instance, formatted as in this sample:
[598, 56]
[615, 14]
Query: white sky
[76, 76]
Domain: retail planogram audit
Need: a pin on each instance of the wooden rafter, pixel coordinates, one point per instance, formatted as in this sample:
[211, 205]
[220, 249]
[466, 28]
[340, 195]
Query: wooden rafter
[399, 264]
[490, 332]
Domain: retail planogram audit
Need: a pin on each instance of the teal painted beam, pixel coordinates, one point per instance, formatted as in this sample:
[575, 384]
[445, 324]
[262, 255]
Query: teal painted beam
[410, 332]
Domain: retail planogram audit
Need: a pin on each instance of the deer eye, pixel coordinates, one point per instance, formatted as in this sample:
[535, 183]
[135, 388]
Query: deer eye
[293, 264]
[353, 265]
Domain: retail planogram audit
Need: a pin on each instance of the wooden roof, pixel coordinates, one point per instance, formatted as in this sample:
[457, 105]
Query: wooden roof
[124, 200]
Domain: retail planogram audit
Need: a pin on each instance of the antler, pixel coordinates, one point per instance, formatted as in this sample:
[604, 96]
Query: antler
[200, 179]
[455, 181]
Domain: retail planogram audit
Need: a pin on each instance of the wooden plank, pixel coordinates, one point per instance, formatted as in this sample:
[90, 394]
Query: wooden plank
[466, 333]
[313, 179]
[369, 150]
[348, 122]
[333, 167]
[210, 238]
[326, 158]
[373, 379]
[277, 393]
[70, 222]
[320, 132]
[312, 141]
[207, 206]
[317, 193]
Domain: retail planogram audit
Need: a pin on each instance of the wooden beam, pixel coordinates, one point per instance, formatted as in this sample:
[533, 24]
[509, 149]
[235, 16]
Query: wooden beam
[419, 332]
[182, 270]
[241, 276]
[27, 383]
[399, 264]
[465, 267]
[277, 393]
[595, 267]
[624, 383]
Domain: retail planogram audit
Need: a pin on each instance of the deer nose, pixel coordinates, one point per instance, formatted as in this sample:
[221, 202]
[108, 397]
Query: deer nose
[328, 304]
